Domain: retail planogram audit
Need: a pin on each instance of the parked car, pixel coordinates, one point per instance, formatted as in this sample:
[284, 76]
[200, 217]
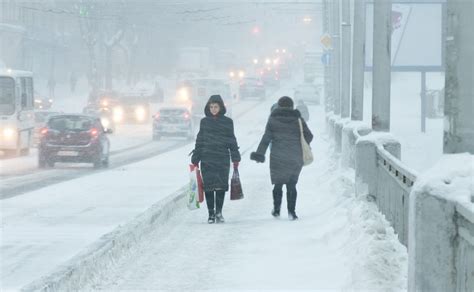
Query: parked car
[252, 88]
[173, 121]
[73, 138]
[308, 92]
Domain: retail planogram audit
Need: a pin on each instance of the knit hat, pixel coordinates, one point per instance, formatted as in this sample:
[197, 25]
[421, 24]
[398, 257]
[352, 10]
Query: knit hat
[285, 101]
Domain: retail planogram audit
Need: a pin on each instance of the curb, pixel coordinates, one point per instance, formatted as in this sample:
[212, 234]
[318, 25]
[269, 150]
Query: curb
[101, 255]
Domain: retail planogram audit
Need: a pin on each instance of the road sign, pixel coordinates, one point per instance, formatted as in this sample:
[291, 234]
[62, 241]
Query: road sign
[326, 41]
[325, 59]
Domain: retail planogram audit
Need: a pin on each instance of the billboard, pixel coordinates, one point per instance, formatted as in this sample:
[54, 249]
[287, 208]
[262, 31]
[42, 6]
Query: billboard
[417, 32]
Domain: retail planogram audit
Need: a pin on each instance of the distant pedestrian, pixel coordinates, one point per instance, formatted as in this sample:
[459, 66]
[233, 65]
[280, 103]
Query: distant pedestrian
[286, 156]
[303, 109]
[215, 147]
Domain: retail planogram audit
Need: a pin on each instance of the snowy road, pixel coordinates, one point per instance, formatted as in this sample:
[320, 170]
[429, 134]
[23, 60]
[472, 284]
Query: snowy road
[130, 144]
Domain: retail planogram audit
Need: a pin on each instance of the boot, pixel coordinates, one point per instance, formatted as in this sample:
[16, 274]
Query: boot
[276, 212]
[292, 216]
[219, 218]
[212, 217]
[277, 194]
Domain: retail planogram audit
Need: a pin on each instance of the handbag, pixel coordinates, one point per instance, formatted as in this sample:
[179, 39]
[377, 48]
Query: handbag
[307, 154]
[235, 186]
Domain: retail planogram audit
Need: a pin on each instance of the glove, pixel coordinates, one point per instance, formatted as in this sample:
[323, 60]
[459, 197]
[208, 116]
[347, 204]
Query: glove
[257, 157]
[236, 164]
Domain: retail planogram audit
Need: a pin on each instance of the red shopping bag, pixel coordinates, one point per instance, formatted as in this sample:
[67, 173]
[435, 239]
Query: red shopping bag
[235, 186]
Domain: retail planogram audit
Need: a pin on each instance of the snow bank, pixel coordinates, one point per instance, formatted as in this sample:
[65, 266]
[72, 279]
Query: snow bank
[442, 226]
[378, 258]
[103, 254]
[350, 133]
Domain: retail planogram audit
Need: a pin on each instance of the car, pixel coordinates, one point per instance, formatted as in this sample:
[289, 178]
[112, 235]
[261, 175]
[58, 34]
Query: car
[131, 110]
[308, 92]
[251, 87]
[43, 103]
[270, 79]
[173, 121]
[73, 138]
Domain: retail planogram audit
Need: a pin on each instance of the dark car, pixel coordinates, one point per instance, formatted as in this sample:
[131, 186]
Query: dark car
[173, 121]
[252, 88]
[73, 138]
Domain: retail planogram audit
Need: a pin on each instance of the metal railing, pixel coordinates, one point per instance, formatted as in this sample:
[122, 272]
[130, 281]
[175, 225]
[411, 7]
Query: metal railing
[464, 256]
[394, 183]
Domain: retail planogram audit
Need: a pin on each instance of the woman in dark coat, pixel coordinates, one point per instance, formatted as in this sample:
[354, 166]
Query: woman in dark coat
[286, 155]
[215, 146]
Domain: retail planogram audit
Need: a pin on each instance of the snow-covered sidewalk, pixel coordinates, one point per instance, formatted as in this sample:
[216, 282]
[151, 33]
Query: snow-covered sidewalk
[340, 241]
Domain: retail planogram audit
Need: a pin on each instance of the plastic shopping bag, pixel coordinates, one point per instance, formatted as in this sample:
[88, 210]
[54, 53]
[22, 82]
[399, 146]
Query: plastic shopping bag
[236, 187]
[193, 190]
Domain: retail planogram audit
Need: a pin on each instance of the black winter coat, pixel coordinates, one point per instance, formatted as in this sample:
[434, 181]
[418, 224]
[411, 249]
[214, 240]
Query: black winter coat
[286, 155]
[215, 146]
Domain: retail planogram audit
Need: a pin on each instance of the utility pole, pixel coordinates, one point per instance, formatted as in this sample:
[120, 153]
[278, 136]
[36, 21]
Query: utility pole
[328, 103]
[336, 56]
[381, 65]
[459, 89]
[346, 59]
[358, 61]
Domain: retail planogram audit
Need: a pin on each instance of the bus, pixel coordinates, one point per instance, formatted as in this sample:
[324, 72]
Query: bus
[17, 118]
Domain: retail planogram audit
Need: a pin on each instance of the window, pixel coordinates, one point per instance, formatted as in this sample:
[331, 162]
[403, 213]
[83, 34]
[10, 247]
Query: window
[23, 94]
[29, 93]
[7, 96]
[26, 92]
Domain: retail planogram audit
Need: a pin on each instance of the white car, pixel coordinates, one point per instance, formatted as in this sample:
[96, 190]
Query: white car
[308, 92]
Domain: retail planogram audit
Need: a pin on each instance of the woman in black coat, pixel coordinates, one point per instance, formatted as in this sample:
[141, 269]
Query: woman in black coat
[286, 154]
[215, 146]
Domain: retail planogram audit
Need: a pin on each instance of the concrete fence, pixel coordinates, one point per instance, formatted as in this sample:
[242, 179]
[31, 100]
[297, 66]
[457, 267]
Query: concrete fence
[437, 230]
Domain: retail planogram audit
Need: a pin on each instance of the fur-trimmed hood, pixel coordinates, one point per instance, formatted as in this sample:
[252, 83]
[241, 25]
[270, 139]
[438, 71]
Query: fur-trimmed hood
[285, 112]
[215, 99]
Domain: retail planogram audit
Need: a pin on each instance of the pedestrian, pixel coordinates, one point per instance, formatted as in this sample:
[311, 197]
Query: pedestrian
[303, 109]
[215, 147]
[286, 155]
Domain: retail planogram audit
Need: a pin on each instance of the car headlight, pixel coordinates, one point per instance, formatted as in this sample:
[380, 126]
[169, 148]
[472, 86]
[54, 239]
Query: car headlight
[105, 122]
[118, 114]
[8, 133]
[183, 94]
[140, 113]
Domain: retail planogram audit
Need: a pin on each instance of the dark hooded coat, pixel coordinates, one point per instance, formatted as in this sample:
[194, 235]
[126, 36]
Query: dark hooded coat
[215, 146]
[286, 156]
